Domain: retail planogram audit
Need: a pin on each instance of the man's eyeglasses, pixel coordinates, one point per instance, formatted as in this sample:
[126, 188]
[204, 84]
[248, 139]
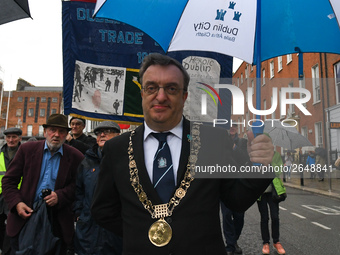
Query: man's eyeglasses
[169, 90]
[105, 131]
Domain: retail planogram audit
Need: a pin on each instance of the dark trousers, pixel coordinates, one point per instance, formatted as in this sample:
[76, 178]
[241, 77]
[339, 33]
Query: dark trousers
[4, 239]
[267, 200]
[232, 226]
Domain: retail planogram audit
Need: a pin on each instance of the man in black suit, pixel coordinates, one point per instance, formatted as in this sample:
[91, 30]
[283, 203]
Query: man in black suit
[125, 200]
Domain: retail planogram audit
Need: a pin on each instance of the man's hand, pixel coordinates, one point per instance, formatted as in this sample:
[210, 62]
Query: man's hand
[52, 199]
[23, 210]
[260, 149]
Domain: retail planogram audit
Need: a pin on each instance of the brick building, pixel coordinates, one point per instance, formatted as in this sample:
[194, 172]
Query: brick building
[29, 107]
[321, 77]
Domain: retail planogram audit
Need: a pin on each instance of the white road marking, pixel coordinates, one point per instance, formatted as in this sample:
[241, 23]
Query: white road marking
[320, 225]
[322, 209]
[298, 215]
[282, 208]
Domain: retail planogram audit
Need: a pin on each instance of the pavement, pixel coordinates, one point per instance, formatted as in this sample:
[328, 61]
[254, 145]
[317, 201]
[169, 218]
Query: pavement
[330, 186]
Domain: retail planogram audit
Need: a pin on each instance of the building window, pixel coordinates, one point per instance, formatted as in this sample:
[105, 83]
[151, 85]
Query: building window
[54, 99]
[279, 63]
[316, 83]
[242, 125]
[30, 112]
[271, 69]
[4, 103]
[41, 131]
[253, 87]
[318, 134]
[241, 78]
[3, 115]
[304, 132]
[302, 84]
[291, 108]
[42, 112]
[53, 111]
[238, 82]
[263, 77]
[273, 113]
[289, 58]
[19, 99]
[18, 113]
[265, 107]
[32, 99]
[246, 72]
[29, 130]
[43, 99]
[281, 115]
[337, 81]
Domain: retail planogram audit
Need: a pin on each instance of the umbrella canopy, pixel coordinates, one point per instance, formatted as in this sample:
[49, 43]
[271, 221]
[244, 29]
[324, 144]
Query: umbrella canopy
[11, 10]
[228, 27]
[321, 152]
[284, 135]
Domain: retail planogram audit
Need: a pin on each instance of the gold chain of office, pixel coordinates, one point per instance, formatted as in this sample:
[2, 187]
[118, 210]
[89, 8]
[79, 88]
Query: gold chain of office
[165, 210]
[160, 232]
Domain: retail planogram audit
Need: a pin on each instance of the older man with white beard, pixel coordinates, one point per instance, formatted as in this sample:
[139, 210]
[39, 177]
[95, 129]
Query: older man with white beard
[48, 165]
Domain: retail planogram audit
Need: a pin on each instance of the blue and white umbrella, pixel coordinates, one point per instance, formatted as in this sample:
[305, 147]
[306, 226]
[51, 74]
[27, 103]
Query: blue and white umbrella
[229, 26]
[251, 30]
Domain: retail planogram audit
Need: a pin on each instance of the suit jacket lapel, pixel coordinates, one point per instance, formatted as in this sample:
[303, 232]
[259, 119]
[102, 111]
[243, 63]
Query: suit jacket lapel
[138, 150]
[183, 161]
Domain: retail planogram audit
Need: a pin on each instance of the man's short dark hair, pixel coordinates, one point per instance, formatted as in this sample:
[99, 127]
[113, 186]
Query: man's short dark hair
[163, 60]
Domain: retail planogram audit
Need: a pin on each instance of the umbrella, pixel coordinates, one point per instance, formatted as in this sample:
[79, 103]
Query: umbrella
[228, 27]
[11, 10]
[321, 152]
[285, 135]
[231, 27]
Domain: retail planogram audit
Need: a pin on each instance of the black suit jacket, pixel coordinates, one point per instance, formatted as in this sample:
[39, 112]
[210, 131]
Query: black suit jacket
[195, 221]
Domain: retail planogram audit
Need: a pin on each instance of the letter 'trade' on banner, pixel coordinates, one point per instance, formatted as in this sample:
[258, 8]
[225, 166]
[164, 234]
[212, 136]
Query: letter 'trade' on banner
[101, 60]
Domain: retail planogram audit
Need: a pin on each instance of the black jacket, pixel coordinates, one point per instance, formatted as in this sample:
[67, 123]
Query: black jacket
[90, 238]
[83, 143]
[195, 222]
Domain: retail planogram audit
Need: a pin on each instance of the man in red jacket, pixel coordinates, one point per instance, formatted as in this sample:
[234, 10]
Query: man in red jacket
[44, 165]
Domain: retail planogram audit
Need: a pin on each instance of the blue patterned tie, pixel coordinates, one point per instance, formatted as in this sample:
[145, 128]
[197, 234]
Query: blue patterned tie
[163, 173]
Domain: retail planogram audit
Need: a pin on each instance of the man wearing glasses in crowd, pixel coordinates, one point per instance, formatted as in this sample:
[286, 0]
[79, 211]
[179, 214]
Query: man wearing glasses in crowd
[90, 238]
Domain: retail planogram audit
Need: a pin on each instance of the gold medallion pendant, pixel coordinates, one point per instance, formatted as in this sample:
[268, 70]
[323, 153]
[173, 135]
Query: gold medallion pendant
[160, 233]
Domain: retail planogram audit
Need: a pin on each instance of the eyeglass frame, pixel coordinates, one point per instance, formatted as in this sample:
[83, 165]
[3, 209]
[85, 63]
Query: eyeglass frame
[157, 88]
[106, 131]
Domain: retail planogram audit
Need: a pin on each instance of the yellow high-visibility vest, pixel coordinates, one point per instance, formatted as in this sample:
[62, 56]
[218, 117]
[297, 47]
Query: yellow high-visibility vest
[2, 169]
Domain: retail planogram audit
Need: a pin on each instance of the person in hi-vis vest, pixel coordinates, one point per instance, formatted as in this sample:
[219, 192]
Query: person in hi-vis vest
[8, 151]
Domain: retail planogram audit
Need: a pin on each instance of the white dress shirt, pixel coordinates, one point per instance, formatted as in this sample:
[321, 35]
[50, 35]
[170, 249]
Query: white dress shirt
[174, 141]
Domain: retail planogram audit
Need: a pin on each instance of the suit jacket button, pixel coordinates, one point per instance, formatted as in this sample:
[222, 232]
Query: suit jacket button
[168, 220]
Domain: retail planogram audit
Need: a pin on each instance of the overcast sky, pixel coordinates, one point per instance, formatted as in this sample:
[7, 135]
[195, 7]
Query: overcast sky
[32, 49]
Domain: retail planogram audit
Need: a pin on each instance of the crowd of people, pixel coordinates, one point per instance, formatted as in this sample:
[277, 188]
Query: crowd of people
[132, 193]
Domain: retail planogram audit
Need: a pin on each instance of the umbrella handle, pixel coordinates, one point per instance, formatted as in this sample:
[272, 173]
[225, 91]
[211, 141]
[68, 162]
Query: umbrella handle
[257, 129]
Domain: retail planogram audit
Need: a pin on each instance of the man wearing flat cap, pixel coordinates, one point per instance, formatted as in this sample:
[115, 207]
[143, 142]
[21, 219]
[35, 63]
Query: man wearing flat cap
[8, 151]
[77, 138]
[87, 231]
[49, 166]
